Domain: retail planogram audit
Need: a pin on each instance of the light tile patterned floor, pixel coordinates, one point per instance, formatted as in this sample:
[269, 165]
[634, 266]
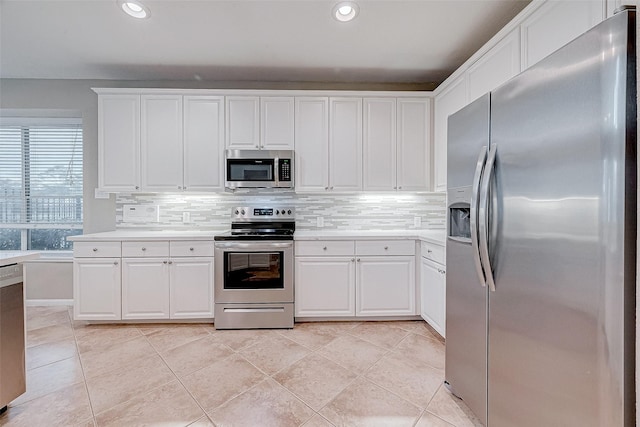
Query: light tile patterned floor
[315, 375]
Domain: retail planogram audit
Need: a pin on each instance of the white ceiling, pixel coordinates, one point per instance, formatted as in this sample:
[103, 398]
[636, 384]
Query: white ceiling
[391, 41]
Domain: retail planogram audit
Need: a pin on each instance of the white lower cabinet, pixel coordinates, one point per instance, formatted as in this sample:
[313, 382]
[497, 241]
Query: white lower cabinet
[145, 288]
[96, 288]
[325, 286]
[147, 280]
[433, 294]
[332, 281]
[191, 288]
[385, 286]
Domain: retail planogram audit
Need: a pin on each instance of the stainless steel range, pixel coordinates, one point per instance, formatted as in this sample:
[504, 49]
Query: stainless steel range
[254, 269]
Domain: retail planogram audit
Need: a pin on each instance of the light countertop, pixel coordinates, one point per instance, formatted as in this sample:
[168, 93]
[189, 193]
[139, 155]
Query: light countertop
[14, 257]
[125, 235]
[433, 236]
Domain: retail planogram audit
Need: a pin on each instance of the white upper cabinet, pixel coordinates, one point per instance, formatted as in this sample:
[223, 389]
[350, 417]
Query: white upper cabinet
[496, 66]
[243, 122]
[379, 154]
[555, 24]
[119, 142]
[413, 161]
[161, 143]
[203, 143]
[312, 143]
[276, 122]
[453, 98]
[345, 144]
[260, 123]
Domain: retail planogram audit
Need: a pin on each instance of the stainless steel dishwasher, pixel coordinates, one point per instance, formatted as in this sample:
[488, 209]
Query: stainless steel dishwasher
[12, 335]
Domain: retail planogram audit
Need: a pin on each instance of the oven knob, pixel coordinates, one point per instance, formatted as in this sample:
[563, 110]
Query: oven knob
[289, 212]
[242, 212]
[277, 212]
[237, 211]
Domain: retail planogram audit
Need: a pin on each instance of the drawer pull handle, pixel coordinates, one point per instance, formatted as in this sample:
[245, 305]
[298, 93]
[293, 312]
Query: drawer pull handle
[95, 249]
[429, 251]
[191, 249]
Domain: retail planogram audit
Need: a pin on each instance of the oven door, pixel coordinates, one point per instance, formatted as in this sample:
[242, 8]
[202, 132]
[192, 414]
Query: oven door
[254, 271]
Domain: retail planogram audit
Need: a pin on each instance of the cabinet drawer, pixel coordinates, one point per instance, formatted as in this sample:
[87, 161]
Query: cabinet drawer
[96, 249]
[325, 247]
[188, 248]
[145, 249]
[433, 252]
[385, 247]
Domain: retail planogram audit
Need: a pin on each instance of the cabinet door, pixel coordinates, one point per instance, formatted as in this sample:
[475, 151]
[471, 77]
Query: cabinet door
[161, 143]
[432, 295]
[453, 98]
[414, 144]
[345, 144]
[312, 144]
[203, 143]
[324, 286]
[555, 24]
[379, 144]
[496, 66]
[191, 294]
[96, 289]
[119, 142]
[276, 123]
[243, 122]
[385, 286]
[145, 288]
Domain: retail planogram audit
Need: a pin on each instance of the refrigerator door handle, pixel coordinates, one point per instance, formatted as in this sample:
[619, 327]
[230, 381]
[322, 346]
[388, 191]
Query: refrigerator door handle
[475, 196]
[483, 214]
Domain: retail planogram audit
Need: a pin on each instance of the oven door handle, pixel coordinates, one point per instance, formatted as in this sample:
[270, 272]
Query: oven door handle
[253, 246]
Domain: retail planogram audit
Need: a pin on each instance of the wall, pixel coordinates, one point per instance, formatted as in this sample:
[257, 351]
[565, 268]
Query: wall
[343, 211]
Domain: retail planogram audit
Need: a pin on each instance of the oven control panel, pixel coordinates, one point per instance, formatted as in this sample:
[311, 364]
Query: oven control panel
[259, 213]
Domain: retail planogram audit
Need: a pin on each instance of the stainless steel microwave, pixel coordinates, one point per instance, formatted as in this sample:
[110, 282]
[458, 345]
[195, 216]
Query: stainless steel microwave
[259, 169]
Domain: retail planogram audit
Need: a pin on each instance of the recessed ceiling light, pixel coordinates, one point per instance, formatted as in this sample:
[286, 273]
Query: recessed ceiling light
[134, 8]
[345, 11]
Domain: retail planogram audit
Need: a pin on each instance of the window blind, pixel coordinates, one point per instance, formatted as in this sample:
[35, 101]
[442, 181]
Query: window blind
[41, 174]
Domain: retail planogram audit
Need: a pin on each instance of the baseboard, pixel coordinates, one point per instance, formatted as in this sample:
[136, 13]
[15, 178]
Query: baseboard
[34, 302]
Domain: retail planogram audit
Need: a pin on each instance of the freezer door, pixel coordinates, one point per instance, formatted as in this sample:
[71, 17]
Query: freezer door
[466, 322]
[561, 318]
[468, 131]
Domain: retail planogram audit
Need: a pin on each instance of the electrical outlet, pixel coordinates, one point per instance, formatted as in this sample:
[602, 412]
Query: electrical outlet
[320, 222]
[417, 221]
[186, 217]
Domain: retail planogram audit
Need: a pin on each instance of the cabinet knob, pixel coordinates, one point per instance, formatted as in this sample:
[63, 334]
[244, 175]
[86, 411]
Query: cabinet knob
[191, 249]
[324, 248]
[170, 262]
[257, 146]
[144, 249]
[184, 188]
[429, 251]
[95, 249]
[115, 262]
[326, 188]
[164, 262]
[353, 259]
[386, 248]
[358, 260]
[395, 188]
[179, 188]
[137, 188]
[330, 188]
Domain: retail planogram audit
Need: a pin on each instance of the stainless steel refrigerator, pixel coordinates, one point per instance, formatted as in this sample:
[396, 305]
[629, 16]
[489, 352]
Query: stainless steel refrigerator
[541, 248]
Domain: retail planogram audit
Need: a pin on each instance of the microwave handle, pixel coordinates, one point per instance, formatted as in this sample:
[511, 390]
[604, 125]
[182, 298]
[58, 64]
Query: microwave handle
[276, 170]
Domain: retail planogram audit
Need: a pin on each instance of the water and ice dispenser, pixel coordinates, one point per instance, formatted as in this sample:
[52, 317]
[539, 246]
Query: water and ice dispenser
[459, 214]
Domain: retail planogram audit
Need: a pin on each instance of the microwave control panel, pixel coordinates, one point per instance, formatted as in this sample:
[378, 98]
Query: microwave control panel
[285, 170]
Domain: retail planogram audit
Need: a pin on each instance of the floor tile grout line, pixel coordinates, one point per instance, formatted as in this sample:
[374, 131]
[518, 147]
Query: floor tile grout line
[84, 376]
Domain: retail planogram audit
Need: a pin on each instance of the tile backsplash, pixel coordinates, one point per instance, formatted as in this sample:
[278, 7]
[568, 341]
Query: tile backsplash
[362, 211]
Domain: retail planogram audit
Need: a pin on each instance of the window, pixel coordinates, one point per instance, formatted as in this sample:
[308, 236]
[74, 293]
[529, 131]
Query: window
[40, 183]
